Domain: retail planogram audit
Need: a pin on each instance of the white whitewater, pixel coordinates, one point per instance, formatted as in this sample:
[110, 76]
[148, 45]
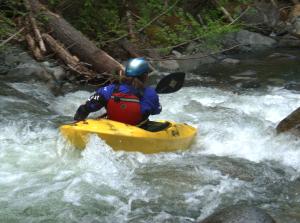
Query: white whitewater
[236, 158]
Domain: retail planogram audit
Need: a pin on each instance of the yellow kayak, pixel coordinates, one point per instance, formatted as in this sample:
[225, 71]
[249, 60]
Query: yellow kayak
[155, 137]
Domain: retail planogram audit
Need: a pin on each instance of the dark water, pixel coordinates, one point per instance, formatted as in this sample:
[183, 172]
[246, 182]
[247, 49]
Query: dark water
[255, 71]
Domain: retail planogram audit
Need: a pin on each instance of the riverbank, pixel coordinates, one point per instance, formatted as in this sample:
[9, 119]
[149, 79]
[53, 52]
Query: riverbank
[260, 26]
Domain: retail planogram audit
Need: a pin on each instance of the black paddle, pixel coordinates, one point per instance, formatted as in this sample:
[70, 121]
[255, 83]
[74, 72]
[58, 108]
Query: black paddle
[170, 83]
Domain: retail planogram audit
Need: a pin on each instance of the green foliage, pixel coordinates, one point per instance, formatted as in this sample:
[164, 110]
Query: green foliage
[105, 20]
[10, 9]
[224, 2]
[176, 25]
[53, 3]
[6, 27]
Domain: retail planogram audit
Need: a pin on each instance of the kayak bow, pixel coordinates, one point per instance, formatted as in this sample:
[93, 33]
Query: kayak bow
[120, 136]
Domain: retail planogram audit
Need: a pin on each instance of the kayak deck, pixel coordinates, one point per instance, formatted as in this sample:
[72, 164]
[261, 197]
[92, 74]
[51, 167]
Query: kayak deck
[120, 136]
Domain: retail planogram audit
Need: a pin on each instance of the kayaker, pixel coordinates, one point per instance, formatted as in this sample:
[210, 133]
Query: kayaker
[130, 101]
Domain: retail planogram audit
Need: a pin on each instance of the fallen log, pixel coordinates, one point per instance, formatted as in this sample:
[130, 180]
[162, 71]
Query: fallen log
[37, 33]
[33, 47]
[75, 41]
[129, 48]
[63, 54]
[34, 27]
[67, 58]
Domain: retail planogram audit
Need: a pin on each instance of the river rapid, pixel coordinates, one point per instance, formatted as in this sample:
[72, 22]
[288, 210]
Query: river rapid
[237, 158]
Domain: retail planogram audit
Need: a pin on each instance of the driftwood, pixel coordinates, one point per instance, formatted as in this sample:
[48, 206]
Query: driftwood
[33, 47]
[71, 61]
[224, 10]
[32, 25]
[75, 41]
[227, 14]
[240, 16]
[37, 33]
[59, 50]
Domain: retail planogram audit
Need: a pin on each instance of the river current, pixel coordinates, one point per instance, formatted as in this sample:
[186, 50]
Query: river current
[237, 158]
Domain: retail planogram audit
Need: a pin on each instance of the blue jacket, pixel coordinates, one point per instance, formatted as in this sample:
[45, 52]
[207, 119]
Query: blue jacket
[149, 101]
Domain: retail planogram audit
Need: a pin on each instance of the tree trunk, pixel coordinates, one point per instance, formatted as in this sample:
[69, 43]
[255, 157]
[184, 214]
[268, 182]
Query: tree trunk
[76, 42]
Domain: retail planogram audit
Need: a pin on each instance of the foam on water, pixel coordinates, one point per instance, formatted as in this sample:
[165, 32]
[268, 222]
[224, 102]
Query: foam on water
[237, 125]
[47, 175]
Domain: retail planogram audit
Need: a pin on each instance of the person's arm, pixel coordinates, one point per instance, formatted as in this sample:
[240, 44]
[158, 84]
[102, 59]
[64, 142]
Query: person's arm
[156, 109]
[94, 103]
[150, 103]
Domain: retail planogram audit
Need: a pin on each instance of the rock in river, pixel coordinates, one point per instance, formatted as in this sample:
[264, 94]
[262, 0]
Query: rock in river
[290, 123]
[240, 214]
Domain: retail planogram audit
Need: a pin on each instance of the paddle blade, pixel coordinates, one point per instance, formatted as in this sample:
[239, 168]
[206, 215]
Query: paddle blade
[170, 83]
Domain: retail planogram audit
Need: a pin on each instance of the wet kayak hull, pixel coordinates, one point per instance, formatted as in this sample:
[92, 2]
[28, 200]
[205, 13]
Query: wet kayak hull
[120, 136]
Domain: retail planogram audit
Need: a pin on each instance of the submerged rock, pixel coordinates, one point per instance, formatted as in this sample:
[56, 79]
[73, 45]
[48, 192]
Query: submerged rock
[240, 214]
[18, 66]
[289, 41]
[250, 84]
[290, 123]
[292, 86]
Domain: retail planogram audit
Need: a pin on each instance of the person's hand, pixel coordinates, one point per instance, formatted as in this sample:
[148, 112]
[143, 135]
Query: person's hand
[81, 113]
[121, 72]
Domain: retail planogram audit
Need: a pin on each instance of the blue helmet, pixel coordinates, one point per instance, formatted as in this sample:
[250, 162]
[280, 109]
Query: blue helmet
[136, 67]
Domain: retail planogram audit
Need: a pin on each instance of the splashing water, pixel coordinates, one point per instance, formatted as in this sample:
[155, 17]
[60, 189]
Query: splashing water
[237, 158]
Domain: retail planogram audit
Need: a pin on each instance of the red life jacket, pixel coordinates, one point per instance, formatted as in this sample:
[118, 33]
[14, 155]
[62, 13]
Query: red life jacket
[124, 107]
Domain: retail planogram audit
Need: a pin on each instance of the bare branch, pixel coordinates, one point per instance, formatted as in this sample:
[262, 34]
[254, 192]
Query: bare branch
[224, 10]
[240, 16]
[11, 37]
